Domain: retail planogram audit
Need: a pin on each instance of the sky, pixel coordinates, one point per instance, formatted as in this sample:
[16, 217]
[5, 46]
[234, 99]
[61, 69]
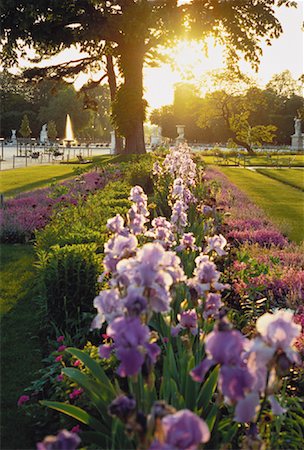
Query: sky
[286, 52]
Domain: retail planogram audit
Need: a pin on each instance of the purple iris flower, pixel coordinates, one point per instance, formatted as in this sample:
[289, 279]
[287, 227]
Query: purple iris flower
[65, 440]
[212, 305]
[116, 224]
[183, 430]
[234, 382]
[122, 407]
[108, 305]
[132, 346]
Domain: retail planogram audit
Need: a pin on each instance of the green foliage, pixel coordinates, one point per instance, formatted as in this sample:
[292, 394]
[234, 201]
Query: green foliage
[68, 276]
[127, 109]
[249, 135]
[141, 29]
[85, 222]
[25, 129]
[140, 173]
[52, 130]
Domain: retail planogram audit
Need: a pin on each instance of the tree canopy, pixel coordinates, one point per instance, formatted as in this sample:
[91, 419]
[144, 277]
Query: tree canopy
[132, 30]
[236, 110]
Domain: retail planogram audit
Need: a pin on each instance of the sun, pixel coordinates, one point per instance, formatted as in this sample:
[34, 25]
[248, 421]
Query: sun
[190, 60]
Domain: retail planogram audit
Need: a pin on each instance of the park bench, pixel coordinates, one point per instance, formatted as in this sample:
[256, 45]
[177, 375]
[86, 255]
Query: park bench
[83, 161]
[221, 159]
[35, 155]
[244, 160]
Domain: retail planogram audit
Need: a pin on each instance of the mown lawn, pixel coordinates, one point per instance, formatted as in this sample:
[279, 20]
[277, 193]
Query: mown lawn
[283, 204]
[292, 177]
[296, 160]
[20, 347]
[12, 182]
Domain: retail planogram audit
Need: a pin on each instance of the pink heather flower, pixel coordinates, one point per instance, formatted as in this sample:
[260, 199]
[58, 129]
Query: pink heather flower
[76, 429]
[60, 339]
[217, 244]
[61, 348]
[59, 378]
[76, 393]
[77, 363]
[59, 358]
[23, 399]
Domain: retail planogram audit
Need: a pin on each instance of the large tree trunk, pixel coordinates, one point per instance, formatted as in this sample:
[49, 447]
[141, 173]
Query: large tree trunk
[130, 105]
[113, 90]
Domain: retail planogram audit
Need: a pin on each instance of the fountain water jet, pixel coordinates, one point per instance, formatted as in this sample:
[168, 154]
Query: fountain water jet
[69, 135]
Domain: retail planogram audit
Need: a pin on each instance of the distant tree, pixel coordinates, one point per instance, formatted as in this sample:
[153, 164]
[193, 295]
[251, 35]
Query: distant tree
[65, 101]
[284, 85]
[165, 118]
[25, 129]
[135, 29]
[237, 110]
[51, 130]
[248, 135]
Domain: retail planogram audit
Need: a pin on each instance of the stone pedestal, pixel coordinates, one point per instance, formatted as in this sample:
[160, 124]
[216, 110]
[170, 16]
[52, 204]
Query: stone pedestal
[113, 142]
[297, 142]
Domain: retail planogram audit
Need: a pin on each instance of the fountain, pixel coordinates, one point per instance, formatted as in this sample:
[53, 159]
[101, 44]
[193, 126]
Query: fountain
[69, 135]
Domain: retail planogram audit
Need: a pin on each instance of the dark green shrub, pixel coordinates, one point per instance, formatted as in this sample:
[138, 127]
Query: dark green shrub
[140, 173]
[69, 284]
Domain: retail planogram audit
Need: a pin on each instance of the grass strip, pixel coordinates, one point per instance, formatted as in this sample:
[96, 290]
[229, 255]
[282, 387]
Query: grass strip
[283, 204]
[291, 177]
[20, 348]
[13, 182]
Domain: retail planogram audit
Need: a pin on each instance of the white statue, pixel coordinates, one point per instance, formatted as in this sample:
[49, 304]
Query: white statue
[43, 134]
[181, 133]
[13, 138]
[297, 126]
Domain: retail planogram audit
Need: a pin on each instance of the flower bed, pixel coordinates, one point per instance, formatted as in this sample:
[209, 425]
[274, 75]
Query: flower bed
[20, 217]
[174, 371]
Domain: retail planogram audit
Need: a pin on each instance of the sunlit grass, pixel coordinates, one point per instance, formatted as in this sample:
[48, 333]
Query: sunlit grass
[20, 346]
[292, 160]
[13, 182]
[283, 204]
[292, 177]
